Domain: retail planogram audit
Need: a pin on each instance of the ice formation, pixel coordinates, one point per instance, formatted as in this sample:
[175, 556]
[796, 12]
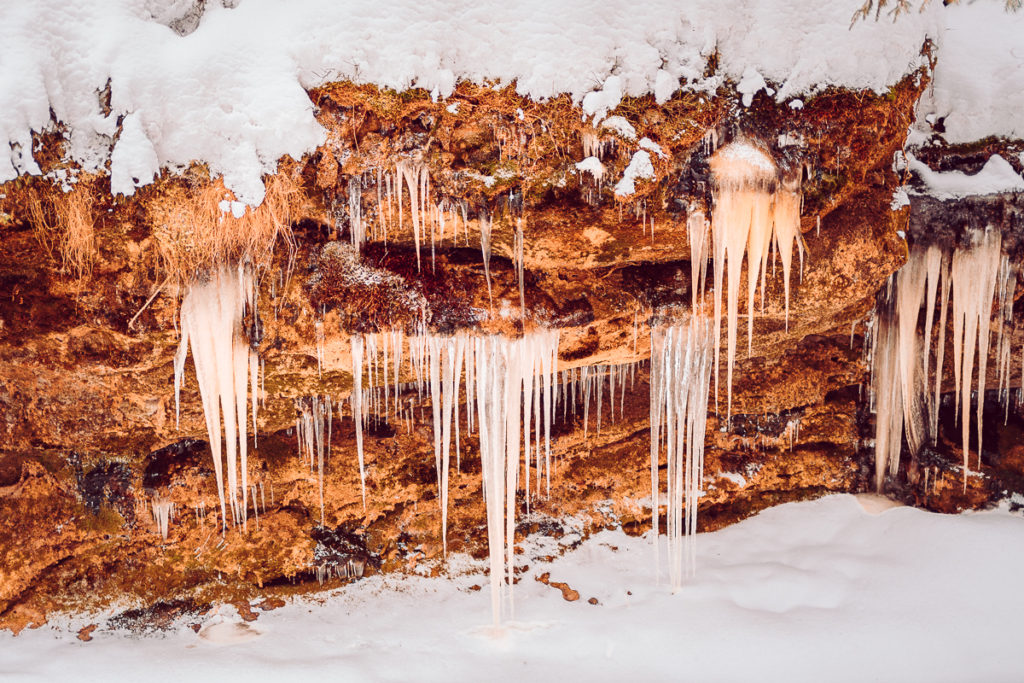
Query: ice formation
[357, 408]
[163, 515]
[753, 202]
[226, 367]
[313, 440]
[904, 399]
[505, 372]
[679, 382]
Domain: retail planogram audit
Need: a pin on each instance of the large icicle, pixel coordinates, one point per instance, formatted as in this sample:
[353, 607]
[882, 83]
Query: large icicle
[901, 352]
[504, 374]
[787, 230]
[974, 274]
[211, 323]
[747, 209]
[680, 381]
[416, 178]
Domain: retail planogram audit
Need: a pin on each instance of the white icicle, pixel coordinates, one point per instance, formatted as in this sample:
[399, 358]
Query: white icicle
[211, 323]
[680, 380]
[357, 407]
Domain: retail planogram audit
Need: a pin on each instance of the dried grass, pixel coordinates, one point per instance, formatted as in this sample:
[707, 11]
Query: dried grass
[194, 235]
[64, 225]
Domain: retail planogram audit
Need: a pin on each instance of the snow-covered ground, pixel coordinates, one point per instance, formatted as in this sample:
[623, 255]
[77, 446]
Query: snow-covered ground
[228, 87]
[836, 589]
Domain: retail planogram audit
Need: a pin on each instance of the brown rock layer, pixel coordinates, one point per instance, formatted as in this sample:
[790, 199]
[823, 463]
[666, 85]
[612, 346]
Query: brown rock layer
[88, 433]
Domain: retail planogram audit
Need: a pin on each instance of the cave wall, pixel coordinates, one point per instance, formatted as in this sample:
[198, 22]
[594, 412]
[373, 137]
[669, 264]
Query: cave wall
[88, 431]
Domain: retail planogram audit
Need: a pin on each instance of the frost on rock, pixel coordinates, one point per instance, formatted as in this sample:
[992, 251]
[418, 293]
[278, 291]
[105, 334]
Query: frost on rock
[651, 146]
[593, 166]
[620, 126]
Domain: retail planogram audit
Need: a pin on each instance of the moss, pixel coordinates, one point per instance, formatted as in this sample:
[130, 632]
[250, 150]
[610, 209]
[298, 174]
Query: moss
[106, 520]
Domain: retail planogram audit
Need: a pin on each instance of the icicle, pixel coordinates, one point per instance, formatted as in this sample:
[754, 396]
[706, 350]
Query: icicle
[680, 382]
[743, 179]
[974, 274]
[787, 231]
[211, 322]
[697, 226]
[943, 310]
[357, 407]
[356, 226]
[163, 515]
[486, 225]
[517, 259]
[415, 177]
[1007, 286]
[501, 375]
[900, 358]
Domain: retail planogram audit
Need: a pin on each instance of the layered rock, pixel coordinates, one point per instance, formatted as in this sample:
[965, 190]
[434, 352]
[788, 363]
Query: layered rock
[90, 289]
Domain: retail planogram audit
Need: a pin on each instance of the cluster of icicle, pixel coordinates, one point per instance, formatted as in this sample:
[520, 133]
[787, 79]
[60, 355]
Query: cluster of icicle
[349, 569]
[756, 209]
[163, 515]
[227, 371]
[507, 386]
[904, 395]
[680, 381]
[313, 440]
[407, 189]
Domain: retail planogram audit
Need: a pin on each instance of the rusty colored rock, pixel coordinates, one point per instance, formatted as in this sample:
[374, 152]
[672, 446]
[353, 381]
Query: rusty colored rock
[89, 435]
[568, 594]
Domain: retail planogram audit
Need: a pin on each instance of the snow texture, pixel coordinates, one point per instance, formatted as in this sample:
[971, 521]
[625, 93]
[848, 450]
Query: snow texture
[995, 177]
[640, 168]
[166, 84]
[812, 591]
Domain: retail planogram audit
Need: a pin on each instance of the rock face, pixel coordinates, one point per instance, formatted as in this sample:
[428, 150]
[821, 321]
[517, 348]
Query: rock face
[90, 288]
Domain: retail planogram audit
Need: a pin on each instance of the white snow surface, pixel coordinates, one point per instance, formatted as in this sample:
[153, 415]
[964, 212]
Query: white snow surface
[232, 92]
[833, 589]
[995, 177]
[979, 78]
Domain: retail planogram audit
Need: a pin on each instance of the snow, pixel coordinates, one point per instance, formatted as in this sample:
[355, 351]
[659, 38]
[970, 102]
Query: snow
[979, 78]
[821, 590]
[593, 166]
[750, 84]
[996, 176]
[232, 92]
[621, 126]
[640, 167]
[651, 146]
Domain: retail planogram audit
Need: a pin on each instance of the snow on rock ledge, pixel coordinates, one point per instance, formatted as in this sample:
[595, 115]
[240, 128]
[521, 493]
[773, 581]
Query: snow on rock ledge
[995, 177]
[232, 92]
